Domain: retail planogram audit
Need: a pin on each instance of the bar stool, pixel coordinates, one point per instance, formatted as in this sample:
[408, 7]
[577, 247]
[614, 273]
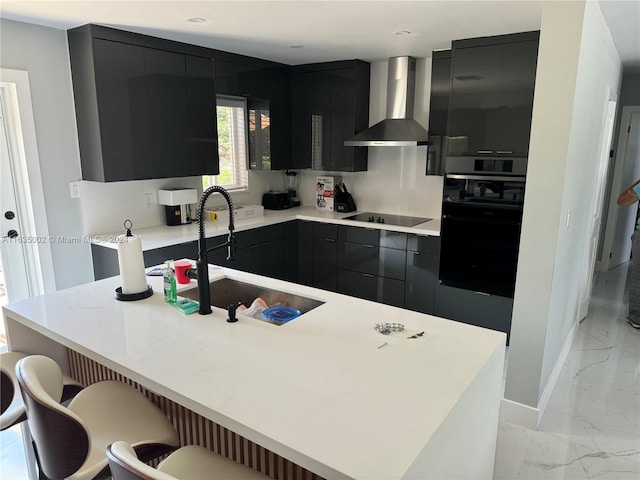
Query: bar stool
[12, 409]
[71, 441]
[187, 463]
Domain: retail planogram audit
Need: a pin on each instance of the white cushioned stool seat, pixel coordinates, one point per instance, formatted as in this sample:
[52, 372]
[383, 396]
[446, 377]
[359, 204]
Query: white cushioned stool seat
[187, 463]
[13, 410]
[72, 441]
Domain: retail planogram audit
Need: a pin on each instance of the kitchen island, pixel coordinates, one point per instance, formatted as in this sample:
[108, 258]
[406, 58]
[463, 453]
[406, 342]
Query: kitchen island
[324, 391]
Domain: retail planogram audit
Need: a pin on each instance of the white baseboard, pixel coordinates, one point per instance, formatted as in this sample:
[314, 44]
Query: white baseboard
[526, 415]
[557, 368]
[519, 414]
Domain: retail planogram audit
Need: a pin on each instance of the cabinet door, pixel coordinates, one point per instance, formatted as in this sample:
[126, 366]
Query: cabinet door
[365, 258]
[325, 263]
[280, 121]
[343, 89]
[311, 119]
[118, 69]
[371, 287]
[305, 252]
[201, 105]
[516, 97]
[475, 99]
[421, 285]
[488, 311]
[164, 113]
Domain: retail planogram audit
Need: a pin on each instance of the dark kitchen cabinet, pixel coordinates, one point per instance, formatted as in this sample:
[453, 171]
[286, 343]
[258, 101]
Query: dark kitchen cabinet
[145, 107]
[371, 287]
[330, 103]
[325, 256]
[372, 264]
[259, 250]
[439, 111]
[105, 259]
[421, 285]
[475, 308]
[305, 252]
[492, 87]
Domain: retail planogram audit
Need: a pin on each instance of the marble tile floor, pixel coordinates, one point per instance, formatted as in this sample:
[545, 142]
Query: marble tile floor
[591, 428]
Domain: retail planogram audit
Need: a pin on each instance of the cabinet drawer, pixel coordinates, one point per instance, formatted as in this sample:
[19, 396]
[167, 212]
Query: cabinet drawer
[380, 261]
[373, 236]
[418, 243]
[325, 230]
[256, 236]
[371, 287]
[488, 311]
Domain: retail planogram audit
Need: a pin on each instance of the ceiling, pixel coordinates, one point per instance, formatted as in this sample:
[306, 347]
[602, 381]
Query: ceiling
[295, 32]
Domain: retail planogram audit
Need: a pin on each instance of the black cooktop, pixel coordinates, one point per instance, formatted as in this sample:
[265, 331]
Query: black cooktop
[397, 220]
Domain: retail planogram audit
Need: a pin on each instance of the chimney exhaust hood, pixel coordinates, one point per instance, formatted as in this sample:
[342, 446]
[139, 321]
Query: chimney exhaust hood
[399, 129]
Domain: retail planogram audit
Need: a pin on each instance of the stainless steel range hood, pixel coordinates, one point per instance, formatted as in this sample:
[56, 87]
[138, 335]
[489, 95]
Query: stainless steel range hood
[399, 129]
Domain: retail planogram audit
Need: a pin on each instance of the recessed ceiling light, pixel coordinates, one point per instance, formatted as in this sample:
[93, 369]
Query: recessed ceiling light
[196, 20]
[406, 33]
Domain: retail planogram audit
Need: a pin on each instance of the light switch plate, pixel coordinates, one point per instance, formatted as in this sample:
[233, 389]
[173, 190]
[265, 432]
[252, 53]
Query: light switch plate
[74, 189]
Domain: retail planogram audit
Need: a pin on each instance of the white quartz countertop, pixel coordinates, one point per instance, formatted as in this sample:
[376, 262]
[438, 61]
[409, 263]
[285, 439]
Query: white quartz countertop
[164, 236]
[319, 390]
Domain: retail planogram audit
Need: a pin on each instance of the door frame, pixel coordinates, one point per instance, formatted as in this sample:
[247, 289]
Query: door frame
[616, 184]
[27, 173]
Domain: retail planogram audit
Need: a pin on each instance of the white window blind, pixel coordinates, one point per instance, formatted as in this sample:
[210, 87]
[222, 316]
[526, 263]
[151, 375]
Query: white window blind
[232, 144]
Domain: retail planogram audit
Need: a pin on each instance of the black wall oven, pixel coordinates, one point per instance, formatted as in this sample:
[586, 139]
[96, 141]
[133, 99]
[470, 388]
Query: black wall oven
[481, 222]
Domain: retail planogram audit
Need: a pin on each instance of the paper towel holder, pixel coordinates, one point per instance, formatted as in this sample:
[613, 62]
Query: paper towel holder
[127, 297]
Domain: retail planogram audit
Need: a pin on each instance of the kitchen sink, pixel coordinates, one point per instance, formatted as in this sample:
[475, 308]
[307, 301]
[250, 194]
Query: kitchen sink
[226, 292]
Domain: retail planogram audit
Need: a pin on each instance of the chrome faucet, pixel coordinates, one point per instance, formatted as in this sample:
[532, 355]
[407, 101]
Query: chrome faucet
[201, 273]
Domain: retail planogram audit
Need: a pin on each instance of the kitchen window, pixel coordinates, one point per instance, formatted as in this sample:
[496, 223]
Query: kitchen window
[232, 145]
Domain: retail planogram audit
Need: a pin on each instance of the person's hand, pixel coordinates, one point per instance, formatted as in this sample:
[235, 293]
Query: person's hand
[628, 196]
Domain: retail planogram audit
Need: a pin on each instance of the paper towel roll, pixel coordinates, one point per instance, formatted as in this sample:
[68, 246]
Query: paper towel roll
[131, 264]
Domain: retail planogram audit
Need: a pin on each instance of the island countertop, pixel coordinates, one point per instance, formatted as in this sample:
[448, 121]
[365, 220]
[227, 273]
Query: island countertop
[319, 390]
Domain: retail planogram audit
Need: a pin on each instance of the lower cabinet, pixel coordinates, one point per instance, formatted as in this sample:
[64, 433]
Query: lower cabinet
[421, 282]
[325, 256]
[394, 268]
[488, 311]
[371, 287]
[260, 250]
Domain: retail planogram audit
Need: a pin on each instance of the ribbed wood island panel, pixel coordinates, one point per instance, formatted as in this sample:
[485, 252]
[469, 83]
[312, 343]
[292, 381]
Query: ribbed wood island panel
[194, 429]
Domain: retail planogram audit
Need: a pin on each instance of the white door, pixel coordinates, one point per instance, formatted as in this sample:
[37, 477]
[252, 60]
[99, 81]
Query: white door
[625, 218]
[596, 208]
[12, 249]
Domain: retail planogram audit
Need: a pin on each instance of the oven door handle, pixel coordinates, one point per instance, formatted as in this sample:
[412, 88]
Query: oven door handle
[504, 178]
[479, 219]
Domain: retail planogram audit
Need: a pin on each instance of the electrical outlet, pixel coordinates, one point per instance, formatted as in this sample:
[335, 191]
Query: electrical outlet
[148, 200]
[74, 189]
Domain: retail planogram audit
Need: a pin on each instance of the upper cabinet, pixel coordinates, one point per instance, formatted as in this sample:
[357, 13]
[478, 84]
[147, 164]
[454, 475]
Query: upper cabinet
[267, 88]
[145, 107]
[439, 111]
[492, 85]
[330, 104]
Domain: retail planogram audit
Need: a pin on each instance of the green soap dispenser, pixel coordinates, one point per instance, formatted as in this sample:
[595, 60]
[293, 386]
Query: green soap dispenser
[170, 289]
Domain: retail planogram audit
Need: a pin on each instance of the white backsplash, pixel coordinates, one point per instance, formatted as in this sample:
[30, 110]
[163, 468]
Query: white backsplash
[395, 182]
[105, 206]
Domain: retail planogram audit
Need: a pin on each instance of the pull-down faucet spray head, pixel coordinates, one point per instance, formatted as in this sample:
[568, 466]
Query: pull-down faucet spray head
[202, 264]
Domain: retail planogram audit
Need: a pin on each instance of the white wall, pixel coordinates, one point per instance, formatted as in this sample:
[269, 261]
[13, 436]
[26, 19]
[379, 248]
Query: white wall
[578, 67]
[395, 181]
[43, 53]
[105, 206]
